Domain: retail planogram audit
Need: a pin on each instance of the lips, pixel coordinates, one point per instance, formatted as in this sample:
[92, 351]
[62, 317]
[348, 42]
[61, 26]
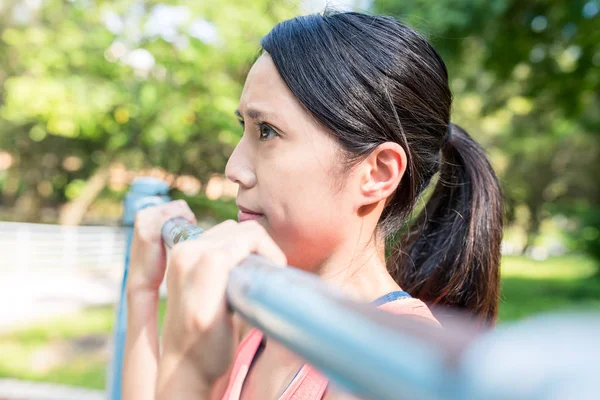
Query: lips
[245, 214]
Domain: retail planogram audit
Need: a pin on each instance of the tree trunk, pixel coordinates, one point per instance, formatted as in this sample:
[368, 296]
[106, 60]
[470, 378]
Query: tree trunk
[535, 223]
[72, 213]
[28, 206]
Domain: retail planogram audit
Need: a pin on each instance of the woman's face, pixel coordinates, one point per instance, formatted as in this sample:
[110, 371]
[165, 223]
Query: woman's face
[289, 170]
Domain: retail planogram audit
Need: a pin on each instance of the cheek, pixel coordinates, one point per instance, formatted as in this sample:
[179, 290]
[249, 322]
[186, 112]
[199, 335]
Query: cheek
[305, 213]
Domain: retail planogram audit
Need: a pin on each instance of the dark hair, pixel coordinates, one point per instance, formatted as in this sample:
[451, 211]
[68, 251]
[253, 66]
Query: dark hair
[369, 80]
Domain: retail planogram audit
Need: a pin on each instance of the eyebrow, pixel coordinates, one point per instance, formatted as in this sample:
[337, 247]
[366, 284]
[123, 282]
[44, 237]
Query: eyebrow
[261, 115]
[253, 114]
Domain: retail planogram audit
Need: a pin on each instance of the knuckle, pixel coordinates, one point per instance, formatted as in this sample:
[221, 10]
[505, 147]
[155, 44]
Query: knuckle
[143, 238]
[212, 258]
[141, 216]
[141, 234]
[226, 225]
[197, 321]
[178, 259]
[256, 228]
[228, 222]
[167, 208]
[164, 211]
[180, 203]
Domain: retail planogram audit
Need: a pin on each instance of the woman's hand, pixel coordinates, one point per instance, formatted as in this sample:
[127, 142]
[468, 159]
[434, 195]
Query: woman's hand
[198, 341]
[148, 259]
[146, 271]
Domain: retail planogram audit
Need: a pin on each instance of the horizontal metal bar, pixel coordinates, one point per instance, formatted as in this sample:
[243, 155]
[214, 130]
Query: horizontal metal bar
[351, 343]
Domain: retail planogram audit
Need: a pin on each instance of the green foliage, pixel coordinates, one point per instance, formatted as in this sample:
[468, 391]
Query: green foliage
[144, 83]
[557, 284]
[116, 81]
[203, 207]
[525, 78]
[586, 233]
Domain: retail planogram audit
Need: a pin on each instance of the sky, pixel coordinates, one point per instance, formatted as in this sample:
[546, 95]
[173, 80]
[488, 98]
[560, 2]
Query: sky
[319, 5]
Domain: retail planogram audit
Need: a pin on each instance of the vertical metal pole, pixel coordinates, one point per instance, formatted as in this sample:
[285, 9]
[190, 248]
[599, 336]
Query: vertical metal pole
[144, 192]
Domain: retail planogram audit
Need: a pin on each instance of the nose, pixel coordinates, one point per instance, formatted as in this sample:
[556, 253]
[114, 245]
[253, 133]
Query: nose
[239, 168]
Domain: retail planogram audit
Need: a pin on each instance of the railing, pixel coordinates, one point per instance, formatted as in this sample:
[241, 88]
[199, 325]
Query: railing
[26, 246]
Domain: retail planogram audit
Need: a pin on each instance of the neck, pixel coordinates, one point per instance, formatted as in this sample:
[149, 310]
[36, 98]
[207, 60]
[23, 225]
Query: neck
[358, 268]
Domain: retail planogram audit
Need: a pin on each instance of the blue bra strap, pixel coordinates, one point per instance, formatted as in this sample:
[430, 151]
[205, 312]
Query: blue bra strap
[387, 298]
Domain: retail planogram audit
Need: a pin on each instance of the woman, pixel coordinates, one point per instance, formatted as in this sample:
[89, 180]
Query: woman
[345, 122]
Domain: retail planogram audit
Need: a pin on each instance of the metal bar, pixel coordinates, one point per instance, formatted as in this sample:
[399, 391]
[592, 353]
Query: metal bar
[120, 331]
[144, 192]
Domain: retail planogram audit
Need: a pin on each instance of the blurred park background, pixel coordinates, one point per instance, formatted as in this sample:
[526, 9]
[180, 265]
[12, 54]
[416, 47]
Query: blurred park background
[95, 93]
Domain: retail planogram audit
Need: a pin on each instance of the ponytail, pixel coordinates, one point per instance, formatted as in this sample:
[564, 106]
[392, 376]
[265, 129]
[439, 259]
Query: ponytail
[451, 255]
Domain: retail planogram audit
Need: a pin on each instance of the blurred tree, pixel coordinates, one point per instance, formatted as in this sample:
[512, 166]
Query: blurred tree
[526, 82]
[85, 84]
[141, 82]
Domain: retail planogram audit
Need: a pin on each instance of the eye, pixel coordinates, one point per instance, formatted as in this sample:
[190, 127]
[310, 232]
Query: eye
[265, 131]
[241, 122]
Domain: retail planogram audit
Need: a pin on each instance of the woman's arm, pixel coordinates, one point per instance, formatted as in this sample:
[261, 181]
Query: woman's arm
[174, 376]
[147, 374]
[179, 380]
[200, 334]
[141, 356]
[146, 272]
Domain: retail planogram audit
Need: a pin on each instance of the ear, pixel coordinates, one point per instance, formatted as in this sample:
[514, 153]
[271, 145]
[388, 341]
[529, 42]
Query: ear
[381, 172]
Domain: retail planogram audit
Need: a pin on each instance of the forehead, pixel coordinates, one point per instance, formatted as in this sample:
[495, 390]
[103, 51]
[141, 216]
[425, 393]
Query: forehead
[265, 89]
[266, 92]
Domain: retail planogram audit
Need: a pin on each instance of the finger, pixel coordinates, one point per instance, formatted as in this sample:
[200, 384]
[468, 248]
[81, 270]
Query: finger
[220, 230]
[149, 221]
[212, 237]
[226, 244]
[173, 209]
[212, 257]
[252, 238]
[186, 211]
[168, 211]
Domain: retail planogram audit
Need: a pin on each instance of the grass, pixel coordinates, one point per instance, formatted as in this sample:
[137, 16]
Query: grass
[561, 283]
[74, 350]
[71, 350]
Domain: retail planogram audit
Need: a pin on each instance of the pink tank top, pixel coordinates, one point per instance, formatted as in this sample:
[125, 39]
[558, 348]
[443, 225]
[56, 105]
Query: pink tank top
[309, 384]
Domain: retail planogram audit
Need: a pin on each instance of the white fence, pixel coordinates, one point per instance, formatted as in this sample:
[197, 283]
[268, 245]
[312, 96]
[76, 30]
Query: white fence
[32, 246]
[26, 246]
